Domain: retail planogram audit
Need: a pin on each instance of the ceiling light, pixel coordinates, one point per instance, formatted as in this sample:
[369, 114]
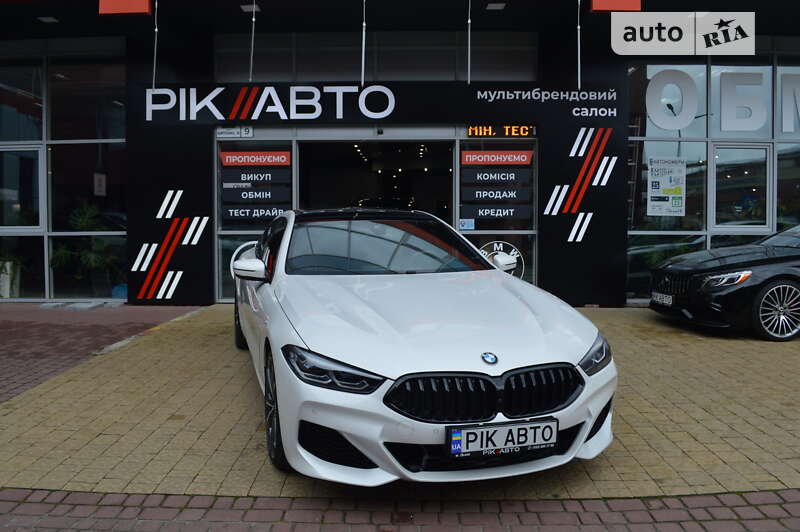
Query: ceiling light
[249, 8]
[59, 75]
[495, 6]
[47, 20]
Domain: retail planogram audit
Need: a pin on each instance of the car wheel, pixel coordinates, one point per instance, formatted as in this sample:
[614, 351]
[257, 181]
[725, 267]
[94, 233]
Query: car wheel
[272, 419]
[776, 312]
[238, 335]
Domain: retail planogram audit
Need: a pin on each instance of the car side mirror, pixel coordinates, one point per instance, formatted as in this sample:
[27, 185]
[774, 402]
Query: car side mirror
[250, 269]
[504, 261]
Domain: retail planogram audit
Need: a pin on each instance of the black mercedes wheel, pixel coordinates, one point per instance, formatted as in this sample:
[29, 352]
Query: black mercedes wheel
[776, 312]
[238, 335]
[272, 418]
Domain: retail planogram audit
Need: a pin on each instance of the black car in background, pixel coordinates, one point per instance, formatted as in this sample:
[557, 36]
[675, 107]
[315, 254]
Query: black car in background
[756, 285]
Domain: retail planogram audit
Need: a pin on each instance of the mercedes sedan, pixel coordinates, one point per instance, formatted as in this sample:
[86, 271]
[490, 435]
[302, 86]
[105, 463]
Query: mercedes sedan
[388, 347]
[755, 287]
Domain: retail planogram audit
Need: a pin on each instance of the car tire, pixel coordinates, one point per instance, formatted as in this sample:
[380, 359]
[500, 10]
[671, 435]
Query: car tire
[272, 420]
[776, 311]
[238, 335]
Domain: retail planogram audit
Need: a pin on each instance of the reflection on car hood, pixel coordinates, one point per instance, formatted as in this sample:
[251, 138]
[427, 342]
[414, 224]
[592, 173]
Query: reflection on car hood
[729, 257]
[398, 324]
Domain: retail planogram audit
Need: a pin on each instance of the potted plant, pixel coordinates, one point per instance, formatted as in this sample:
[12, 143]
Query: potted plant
[10, 269]
[88, 260]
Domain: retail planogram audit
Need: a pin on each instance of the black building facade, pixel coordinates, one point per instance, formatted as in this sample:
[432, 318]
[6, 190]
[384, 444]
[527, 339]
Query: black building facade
[121, 181]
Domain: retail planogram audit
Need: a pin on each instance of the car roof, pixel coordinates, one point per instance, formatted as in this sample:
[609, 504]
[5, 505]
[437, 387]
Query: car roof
[355, 213]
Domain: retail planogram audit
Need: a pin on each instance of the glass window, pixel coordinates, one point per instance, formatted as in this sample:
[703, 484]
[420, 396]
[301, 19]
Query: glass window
[227, 245]
[681, 86]
[378, 246]
[88, 186]
[87, 100]
[21, 267]
[20, 102]
[741, 187]
[658, 200]
[89, 266]
[519, 246]
[788, 185]
[273, 57]
[648, 251]
[724, 241]
[788, 238]
[419, 55]
[746, 92]
[19, 188]
[330, 56]
[391, 175]
[787, 98]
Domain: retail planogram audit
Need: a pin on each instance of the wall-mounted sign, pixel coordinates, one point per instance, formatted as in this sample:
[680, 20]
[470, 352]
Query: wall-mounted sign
[255, 186]
[501, 131]
[497, 157]
[690, 33]
[666, 186]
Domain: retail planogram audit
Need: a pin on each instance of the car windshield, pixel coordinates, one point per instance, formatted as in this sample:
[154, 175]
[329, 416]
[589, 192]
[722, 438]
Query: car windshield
[381, 246]
[789, 238]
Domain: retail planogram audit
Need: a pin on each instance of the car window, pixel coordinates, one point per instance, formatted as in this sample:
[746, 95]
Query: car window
[378, 246]
[789, 238]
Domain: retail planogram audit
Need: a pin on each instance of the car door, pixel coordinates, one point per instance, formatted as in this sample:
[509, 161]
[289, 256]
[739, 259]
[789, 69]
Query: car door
[265, 307]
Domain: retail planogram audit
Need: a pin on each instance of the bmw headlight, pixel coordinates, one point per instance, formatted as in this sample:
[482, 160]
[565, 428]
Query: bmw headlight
[726, 279]
[598, 356]
[322, 371]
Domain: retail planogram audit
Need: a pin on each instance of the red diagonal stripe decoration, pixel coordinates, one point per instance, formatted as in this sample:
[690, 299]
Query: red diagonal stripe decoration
[246, 111]
[155, 263]
[238, 103]
[599, 155]
[168, 257]
[588, 158]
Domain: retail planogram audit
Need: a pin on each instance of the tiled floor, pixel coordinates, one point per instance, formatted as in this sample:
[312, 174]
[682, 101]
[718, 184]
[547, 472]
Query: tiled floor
[42, 509]
[178, 411]
[38, 343]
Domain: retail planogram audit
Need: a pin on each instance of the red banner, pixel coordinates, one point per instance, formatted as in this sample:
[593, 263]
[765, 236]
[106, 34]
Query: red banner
[256, 158]
[116, 7]
[616, 5]
[497, 158]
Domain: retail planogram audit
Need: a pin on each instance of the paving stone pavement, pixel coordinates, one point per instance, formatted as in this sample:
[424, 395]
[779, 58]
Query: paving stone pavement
[43, 509]
[39, 343]
[179, 412]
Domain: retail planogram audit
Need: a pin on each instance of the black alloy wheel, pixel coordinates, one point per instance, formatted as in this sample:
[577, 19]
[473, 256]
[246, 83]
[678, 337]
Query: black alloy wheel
[238, 335]
[776, 312]
[272, 418]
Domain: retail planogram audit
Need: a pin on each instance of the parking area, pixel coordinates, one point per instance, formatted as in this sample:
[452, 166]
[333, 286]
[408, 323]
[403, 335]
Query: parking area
[178, 411]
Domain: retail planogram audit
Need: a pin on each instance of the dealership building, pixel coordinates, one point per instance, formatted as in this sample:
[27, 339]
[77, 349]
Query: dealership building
[142, 142]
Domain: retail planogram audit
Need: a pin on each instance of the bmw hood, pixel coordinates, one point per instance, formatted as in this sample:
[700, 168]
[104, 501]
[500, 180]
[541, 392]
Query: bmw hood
[398, 324]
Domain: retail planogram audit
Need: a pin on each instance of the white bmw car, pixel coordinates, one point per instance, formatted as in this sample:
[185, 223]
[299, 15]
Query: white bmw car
[389, 348]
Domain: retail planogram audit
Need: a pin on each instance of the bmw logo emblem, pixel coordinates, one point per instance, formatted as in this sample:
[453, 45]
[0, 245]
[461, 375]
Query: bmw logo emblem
[489, 358]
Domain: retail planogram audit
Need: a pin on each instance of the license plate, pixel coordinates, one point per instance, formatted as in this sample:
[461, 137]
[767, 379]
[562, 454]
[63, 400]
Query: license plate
[502, 438]
[663, 299]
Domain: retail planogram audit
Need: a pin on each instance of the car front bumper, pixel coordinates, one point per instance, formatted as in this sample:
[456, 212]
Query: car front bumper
[368, 424]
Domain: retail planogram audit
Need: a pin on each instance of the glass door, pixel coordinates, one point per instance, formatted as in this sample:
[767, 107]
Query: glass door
[741, 189]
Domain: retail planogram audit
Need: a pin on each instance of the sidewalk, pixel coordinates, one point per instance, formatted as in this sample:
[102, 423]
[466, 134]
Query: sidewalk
[39, 343]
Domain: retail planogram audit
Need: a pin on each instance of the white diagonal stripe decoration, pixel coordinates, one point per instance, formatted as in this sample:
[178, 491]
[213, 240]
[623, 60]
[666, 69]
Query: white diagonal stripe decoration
[560, 200]
[175, 282]
[149, 257]
[174, 204]
[577, 142]
[575, 228]
[586, 141]
[139, 257]
[608, 171]
[190, 232]
[585, 227]
[552, 199]
[199, 231]
[600, 171]
[165, 284]
[165, 203]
